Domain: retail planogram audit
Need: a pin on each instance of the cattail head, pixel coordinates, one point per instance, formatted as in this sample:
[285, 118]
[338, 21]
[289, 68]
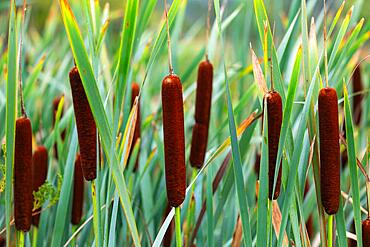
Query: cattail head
[366, 233]
[174, 140]
[78, 192]
[39, 173]
[198, 145]
[2, 241]
[86, 128]
[23, 199]
[204, 92]
[274, 120]
[135, 89]
[202, 114]
[329, 149]
[357, 100]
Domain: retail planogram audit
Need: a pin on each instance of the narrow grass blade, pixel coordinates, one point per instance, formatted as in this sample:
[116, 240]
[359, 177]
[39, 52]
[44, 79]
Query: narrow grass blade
[351, 152]
[11, 114]
[289, 192]
[93, 95]
[60, 224]
[238, 173]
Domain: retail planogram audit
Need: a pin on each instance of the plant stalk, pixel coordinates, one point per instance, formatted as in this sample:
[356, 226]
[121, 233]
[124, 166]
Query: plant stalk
[178, 226]
[330, 231]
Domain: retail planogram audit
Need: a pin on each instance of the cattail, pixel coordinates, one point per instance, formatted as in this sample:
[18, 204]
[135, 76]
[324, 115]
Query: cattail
[366, 233]
[168, 235]
[23, 199]
[274, 119]
[357, 88]
[202, 114]
[55, 109]
[198, 145]
[78, 192]
[329, 149]
[86, 127]
[135, 89]
[174, 140]
[39, 173]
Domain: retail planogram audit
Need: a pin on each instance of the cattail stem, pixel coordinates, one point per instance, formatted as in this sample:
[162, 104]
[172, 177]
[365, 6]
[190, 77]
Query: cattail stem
[73, 242]
[168, 40]
[34, 236]
[178, 226]
[96, 213]
[20, 238]
[208, 26]
[325, 49]
[23, 111]
[330, 231]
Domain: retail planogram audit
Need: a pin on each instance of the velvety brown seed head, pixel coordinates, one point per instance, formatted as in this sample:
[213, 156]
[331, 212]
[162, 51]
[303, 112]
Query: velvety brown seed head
[274, 119]
[78, 192]
[39, 173]
[203, 99]
[135, 89]
[23, 199]
[2, 241]
[357, 100]
[86, 127]
[174, 141]
[329, 149]
[203, 103]
[198, 145]
[366, 233]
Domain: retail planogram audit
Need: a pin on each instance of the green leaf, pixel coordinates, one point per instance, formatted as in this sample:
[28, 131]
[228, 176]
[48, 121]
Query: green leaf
[351, 152]
[95, 101]
[238, 173]
[289, 192]
[11, 113]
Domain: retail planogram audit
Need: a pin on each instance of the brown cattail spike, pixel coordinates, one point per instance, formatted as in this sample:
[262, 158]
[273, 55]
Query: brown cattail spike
[135, 89]
[78, 192]
[39, 173]
[274, 119]
[329, 149]
[202, 114]
[86, 127]
[174, 140]
[56, 102]
[366, 233]
[357, 88]
[23, 202]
